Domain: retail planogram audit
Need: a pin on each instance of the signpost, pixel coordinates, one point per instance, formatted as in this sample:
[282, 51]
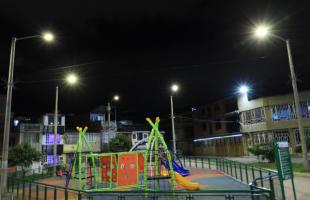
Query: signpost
[284, 165]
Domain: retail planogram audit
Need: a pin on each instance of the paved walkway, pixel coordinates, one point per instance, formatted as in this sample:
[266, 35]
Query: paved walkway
[250, 159]
[301, 183]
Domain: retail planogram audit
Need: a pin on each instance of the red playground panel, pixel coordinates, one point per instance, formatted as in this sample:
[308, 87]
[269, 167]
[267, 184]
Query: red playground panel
[105, 162]
[127, 169]
[141, 162]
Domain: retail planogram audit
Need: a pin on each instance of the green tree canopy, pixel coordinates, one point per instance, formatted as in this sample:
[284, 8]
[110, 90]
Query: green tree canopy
[23, 155]
[120, 143]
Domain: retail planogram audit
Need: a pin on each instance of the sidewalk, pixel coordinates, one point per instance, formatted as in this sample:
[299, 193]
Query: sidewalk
[302, 180]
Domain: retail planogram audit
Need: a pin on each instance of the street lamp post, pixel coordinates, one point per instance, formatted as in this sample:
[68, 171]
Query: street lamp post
[115, 98]
[55, 133]
[261, 32]
[174, 88]
[7, 119]
[71, 79]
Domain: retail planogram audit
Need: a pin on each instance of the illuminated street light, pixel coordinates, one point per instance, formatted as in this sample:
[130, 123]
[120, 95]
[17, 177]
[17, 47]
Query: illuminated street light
[48, 36]
[243, 89]
[174, 88]
[72, 79]
[261, 31]
[116, 98]
[7, 119]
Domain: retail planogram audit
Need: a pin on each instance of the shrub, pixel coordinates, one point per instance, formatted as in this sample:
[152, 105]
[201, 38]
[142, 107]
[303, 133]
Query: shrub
[264, 150]
[23, 155]
[120, 143]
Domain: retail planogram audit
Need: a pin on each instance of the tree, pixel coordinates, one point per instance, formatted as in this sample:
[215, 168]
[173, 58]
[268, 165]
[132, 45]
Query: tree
[23, 155]
[120, 143]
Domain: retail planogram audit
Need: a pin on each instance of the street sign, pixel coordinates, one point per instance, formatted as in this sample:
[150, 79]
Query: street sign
[283, 160]
[284, 165]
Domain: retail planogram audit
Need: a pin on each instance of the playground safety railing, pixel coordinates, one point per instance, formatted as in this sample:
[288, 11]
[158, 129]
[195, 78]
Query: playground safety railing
[26, 190]
[262, 184]
[242, 172]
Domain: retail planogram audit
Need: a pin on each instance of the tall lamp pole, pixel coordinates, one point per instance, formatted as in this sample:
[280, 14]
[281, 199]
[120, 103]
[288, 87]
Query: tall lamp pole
[55, 133]
[71, 79]
[115, 98]
[261, 32]
[174, 89]
[8, 108]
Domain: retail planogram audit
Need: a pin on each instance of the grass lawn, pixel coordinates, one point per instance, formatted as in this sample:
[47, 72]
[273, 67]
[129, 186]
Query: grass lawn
[297, 167]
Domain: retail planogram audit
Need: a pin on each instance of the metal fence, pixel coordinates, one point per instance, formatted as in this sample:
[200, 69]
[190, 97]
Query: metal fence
[26, 190]
[255, 177]
[262, 185]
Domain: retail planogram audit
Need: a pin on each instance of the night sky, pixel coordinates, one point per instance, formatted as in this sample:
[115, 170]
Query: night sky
[137, 49]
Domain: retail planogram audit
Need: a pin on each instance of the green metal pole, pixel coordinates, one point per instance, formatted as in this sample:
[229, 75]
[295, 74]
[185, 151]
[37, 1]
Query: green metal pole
[246, 174]
[156, 154]
[148, 145]
[45, 192]
[55, 193]
[29, 195]
[271, 187]
[241, 176]
[155, 127]
[80, 161]
[261, 177]
[37, 192]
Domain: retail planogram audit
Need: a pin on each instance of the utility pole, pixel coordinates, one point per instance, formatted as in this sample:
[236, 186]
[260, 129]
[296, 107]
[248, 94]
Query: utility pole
[55, 132]
[172, 124]
[7, 121]
[109, 122]
[297, 106]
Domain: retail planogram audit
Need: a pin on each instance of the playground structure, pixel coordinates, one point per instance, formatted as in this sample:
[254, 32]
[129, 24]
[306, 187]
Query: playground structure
[151, 170]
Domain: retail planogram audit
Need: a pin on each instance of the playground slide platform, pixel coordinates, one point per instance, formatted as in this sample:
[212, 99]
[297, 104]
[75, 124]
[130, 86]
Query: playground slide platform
[185, 183]
[184, 172]
[177, 168]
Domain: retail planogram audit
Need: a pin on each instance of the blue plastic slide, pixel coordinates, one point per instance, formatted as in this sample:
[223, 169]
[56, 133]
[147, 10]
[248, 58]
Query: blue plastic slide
[176, 167]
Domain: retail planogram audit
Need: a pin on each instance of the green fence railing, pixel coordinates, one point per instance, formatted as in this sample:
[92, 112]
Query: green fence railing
[26, 190]
[242, 172]
[261, 185]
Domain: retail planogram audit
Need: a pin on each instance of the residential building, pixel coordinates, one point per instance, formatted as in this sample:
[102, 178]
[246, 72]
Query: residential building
[216, 129]
[48, 138]
[273, 118]
[71, 139]
[184, 133]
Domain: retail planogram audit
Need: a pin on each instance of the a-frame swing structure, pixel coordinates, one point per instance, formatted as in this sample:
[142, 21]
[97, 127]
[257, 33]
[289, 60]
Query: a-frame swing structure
[153, 154]
[77, 171]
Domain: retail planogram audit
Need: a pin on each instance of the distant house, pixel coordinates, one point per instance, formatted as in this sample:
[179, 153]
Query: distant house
[216, 129]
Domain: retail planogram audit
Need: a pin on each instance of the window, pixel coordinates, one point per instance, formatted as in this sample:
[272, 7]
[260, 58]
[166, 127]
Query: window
[283, 112]
[281, 135]
[50, 159]
[50, 138]
[297, 136]
[305, 109]
[253, 116]
[71, 138]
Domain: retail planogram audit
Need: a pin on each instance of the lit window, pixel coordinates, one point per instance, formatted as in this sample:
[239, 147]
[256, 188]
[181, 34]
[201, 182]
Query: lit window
[50, 138]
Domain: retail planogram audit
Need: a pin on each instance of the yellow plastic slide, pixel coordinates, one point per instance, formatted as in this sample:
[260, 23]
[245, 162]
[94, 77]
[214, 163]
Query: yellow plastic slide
[185, 183]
